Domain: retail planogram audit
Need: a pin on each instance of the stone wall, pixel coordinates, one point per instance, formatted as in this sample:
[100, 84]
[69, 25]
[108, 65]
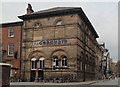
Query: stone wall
[80, 46]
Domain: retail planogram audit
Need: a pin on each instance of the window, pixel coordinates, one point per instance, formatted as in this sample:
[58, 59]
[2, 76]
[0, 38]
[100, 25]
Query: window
[59, 22]
[11, 32]
[64, 61]
[10, 49]
[41, 62]
[37, 25]
[33, 63]
[55, 61]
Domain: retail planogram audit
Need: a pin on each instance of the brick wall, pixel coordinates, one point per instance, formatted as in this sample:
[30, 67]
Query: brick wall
[6, 40]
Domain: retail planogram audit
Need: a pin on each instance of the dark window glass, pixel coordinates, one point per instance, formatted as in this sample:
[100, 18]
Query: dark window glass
[35, 64]
[64, 61]
[32, 64]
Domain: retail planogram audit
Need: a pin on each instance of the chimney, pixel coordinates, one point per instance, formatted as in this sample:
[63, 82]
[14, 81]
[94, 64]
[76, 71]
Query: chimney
[29, 9]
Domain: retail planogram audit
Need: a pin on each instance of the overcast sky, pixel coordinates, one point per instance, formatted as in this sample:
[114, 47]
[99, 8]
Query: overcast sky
[102, 15]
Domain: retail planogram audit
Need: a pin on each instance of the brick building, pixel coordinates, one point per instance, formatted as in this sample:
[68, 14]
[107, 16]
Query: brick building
[11, 50]
[59, 42]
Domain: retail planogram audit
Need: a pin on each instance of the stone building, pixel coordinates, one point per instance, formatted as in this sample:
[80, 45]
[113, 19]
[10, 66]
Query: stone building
[99, 62]
[59, 43]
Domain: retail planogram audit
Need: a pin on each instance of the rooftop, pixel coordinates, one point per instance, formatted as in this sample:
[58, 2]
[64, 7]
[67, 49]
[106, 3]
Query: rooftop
[11, 24]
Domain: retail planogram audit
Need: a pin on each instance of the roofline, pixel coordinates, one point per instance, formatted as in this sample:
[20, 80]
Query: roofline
[79, 11]
[11, 24]
[85, 18]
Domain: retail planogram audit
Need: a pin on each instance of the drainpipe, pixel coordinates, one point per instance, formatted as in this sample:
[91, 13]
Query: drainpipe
[20, 49]
[84, 55]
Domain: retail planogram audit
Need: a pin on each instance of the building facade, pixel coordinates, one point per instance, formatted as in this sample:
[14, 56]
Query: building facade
[54, 43]
[11, 49]
[59, 42]
[99, 66]
[112, 66]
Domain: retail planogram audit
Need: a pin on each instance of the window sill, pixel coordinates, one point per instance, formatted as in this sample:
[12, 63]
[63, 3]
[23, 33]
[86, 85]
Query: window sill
[33, 69]
[10, 55]
[64, 66]
[11, 36]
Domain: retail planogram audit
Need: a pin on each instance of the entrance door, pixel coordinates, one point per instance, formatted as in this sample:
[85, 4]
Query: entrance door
[33, 75]
[40, 74]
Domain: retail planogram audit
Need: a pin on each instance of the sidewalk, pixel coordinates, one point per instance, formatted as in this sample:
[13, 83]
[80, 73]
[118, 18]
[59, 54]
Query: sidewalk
[40, 83]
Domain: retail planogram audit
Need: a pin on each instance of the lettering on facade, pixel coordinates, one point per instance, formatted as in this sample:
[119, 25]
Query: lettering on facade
[49, 42]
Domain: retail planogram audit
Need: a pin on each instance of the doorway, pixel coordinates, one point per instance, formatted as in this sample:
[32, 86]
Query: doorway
[33, 75]
[40, 74]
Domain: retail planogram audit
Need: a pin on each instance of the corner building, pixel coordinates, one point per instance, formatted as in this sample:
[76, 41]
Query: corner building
[58, 43]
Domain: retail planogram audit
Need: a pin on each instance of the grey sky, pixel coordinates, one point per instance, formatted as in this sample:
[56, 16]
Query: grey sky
[103, 16]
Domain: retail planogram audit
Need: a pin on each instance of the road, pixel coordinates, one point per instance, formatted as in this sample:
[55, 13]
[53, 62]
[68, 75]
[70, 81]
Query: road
[116, 81]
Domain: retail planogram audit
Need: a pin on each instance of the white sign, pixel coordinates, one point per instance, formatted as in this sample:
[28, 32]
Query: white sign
[54, 63]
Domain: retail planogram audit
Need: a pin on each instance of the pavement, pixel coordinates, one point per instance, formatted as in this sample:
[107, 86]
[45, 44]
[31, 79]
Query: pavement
[40, 83]
[115, 81]
[111, 83]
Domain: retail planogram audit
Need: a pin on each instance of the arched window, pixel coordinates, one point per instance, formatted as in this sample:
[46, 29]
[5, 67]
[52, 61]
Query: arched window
[59, 22]
[37, 25]
[64, 61]
[33, 63]
[55, 61]
[41, 62]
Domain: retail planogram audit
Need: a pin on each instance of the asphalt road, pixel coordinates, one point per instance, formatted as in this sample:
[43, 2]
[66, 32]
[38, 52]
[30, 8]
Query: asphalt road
[115, 81]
